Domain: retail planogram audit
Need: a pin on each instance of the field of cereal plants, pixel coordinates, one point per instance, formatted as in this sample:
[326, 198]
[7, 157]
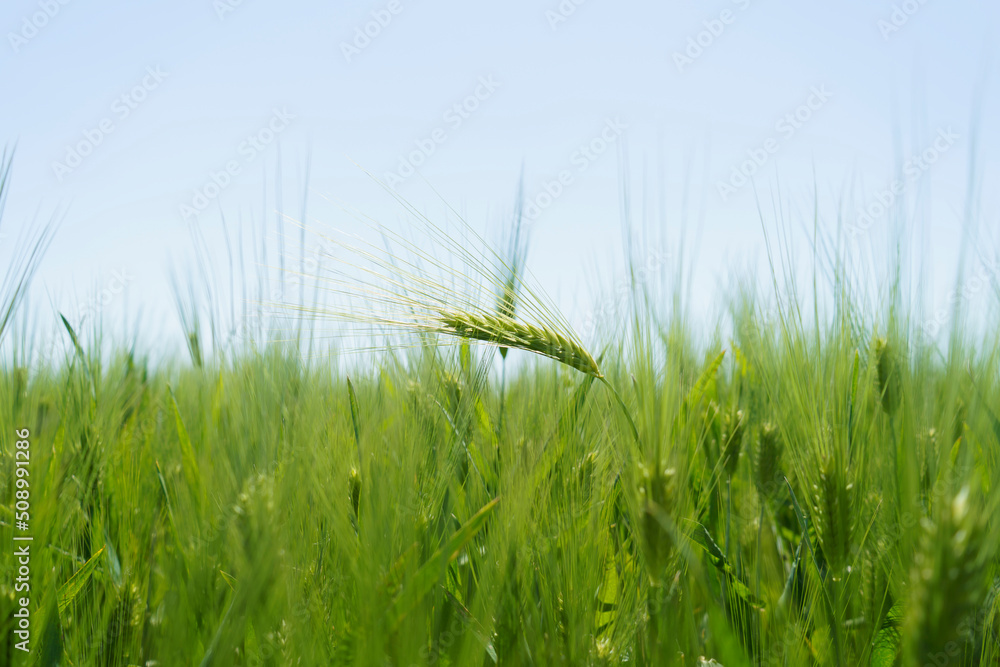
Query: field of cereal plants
[806, 486]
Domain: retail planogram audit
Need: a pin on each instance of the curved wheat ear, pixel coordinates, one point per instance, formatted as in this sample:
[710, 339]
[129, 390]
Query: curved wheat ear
[768, 460]
[834, 501]
[948, 579]
[506, 332]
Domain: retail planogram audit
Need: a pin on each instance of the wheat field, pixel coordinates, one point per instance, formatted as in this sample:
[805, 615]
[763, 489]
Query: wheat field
[799, 489]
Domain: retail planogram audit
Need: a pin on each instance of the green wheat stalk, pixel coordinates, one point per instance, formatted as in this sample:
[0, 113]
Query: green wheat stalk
[401, 287]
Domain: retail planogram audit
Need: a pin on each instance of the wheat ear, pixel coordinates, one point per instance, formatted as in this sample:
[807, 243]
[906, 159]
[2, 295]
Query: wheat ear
[545, 341]
[506, 332]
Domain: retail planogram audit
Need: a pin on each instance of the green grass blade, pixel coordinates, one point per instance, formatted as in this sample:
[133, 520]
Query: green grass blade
[704, 539]
[793, 575]
[114, 563]
[50, 651]
[75, 584]
[80, 354]
[886, 643]
[573, 410]
[211, 653]
[854, 378]
[432, 571]
[355, 416]
[191, 471]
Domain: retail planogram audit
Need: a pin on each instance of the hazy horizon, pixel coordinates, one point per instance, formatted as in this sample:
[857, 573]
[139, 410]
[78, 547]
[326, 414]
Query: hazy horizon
[136, 125]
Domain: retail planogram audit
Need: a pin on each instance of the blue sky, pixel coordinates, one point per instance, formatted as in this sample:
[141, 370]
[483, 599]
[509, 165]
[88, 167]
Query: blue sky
[171, 99]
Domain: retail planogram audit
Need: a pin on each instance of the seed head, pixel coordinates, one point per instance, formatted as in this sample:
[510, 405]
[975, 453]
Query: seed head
[506, 332]
[767, 469]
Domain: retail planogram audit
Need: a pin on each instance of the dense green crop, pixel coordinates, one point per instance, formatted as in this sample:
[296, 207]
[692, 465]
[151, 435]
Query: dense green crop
[805, 493]
[232, 519]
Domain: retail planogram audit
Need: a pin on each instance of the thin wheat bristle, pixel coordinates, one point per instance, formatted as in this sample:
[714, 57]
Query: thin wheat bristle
[506, 303]
[506, 332]
[355, 491]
